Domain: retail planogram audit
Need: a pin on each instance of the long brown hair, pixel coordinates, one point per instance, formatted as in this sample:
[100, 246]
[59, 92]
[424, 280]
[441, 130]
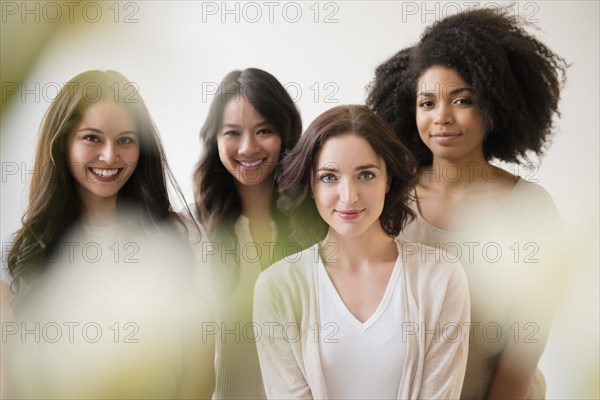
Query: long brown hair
[54, 204]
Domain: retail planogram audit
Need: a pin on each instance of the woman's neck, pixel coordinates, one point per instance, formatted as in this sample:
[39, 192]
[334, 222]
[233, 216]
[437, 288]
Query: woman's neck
[256, 206]
[99, 211]
[373, 246]
[449, 175]
[453, 195]
[256, 200]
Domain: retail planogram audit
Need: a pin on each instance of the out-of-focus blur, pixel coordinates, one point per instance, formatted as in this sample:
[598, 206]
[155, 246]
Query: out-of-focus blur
[177, 54]
[109, 319]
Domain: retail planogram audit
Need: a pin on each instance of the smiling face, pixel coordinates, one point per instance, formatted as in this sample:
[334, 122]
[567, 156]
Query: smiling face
[103, 151]
[249, 146]
[349, 192]
[448, 120]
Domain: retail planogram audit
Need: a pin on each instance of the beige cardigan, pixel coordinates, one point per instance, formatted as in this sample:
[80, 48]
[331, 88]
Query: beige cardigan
[286, 317]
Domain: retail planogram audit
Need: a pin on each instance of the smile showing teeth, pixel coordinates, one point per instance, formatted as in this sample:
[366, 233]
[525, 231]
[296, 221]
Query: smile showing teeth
[107, 173]
[250, 164]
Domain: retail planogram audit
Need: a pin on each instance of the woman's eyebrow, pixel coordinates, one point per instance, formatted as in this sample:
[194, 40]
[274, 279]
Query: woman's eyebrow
[426, 94]
[366, 166]
[328, 168]
[460, 89]
[232, 125]
[96, 130]
[453, 92]
[127, 133]
[89, 129]
[262, 123]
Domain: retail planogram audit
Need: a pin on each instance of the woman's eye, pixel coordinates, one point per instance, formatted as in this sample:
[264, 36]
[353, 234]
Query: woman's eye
[426, 104]
[231, 133]
[126, 140]
[265, 131]
[463, 101]
[366, 176]
[327, 178]
[91, 138]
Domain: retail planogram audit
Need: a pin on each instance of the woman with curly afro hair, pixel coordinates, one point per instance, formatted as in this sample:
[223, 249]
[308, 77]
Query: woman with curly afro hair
[477, 87]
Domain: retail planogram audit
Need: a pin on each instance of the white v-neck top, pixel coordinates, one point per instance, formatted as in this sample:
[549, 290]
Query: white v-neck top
[361, 360]
[434, 294]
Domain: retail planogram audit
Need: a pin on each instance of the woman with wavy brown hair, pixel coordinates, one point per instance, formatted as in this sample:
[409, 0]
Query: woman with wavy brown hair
[100, 242]
[252, 122]
[358, 314]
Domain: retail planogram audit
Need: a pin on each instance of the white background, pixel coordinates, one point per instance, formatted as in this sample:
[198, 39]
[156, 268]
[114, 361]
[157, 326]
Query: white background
[325, 54]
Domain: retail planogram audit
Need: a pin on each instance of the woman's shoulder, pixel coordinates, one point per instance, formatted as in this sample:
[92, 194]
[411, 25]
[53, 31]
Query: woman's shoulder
[425, 263]
[532, 202]
[293, 269]
[289, 284]
[530, 189]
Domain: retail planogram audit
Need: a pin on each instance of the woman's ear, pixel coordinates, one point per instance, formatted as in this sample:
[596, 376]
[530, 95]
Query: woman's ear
[388, 185]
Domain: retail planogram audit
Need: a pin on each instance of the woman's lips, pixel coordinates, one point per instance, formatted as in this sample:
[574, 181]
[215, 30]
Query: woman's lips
[446, 137]
[251, 165]
[105, 174]
[349, 214]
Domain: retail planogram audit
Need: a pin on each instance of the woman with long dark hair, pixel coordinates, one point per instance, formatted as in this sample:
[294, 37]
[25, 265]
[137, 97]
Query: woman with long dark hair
[252, 123]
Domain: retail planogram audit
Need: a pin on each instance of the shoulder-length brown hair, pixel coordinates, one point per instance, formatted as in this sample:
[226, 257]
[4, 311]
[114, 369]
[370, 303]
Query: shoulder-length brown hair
[297, 169]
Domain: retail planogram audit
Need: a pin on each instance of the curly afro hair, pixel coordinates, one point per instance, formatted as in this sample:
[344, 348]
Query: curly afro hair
[515, 79]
